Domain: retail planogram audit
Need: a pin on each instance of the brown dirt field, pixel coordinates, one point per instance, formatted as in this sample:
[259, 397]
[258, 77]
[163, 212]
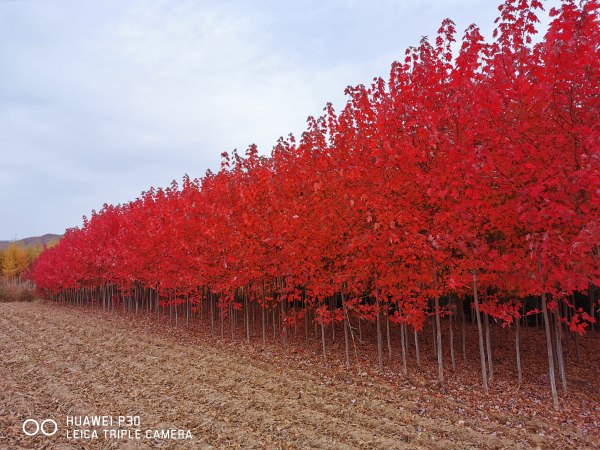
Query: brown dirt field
[59, 361]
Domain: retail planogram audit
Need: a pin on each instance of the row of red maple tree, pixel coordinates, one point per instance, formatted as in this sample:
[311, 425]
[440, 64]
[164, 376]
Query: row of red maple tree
[470, 174]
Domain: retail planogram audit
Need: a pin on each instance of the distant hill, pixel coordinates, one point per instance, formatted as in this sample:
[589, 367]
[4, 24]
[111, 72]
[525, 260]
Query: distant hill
[36, 240]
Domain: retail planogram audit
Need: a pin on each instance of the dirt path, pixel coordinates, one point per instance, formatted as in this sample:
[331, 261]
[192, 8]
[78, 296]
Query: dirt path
[59, 362]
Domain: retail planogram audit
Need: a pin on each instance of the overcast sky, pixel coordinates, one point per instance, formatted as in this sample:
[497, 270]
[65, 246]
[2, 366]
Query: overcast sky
[101, 99]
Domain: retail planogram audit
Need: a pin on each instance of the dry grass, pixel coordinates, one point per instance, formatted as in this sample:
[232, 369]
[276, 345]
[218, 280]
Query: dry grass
[10, 292]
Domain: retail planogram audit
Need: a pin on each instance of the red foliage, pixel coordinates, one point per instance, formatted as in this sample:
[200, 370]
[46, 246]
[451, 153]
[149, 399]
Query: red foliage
[486, 163]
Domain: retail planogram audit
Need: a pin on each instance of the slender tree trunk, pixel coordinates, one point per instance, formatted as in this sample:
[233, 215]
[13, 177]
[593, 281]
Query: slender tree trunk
[247, 312]
[439, 340]
[463, 334]
[417, 353]
[232, 320]
[360, 337]
[434, 338]
[263, 314]
[284, 322]
[202, 310]
[332, 303]
[405, 330]
[212, 314]
[389, 338]
[488, 344]
[566, 334]
[264, 330]
[323, 341]
[305, 323]
[222, 323]
[518, 352]
[452, 336]
[559, 350]
[480, 334]
[379, 339]
[295, 321]
[403, 345]
[550, 353]
[592, 301]
[577, 348]
[346, 340]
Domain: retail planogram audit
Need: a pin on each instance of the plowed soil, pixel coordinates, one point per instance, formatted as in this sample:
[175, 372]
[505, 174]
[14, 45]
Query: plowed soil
[60, 361]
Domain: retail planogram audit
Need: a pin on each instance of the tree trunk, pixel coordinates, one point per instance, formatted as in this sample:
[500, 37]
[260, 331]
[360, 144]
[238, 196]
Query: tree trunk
[463, 334]
[305, 323]
[323, 340]
[403, 345]
[222, 323]
[480, 334]
[332, 307]
[231, 320]
[263, 314]
[284, 322]
[550, 353]
[592, 301]
[417, 353]
[389, 338]
[488, 344]
[577, 348]
[264, 329]
[559, 350]
[439, 340]
[379, 339]
[247, 316]
[452, 336]
[518, 352]
[360, 330]
[346, 340]
[212, 313]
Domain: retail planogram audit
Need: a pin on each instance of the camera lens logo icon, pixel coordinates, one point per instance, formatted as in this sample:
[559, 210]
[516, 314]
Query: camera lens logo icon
[47, 427]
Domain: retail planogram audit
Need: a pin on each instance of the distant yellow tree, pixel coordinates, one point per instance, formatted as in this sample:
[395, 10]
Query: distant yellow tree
[15, 261]
[32, 253]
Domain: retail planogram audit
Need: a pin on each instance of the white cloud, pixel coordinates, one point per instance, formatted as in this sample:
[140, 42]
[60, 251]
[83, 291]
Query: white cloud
[100, 100]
